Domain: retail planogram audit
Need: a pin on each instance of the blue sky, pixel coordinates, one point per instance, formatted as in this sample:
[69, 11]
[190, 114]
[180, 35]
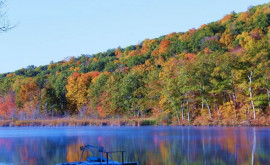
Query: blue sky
[51, 30]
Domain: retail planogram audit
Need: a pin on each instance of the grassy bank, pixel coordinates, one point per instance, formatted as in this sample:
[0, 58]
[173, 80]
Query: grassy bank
[126, 122]
[78, 122]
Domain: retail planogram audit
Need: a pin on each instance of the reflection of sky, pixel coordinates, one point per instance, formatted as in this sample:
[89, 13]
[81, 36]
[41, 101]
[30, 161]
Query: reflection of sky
[148, 145]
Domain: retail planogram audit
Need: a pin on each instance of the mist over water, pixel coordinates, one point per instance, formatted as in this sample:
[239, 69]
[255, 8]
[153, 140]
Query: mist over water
[147, 145]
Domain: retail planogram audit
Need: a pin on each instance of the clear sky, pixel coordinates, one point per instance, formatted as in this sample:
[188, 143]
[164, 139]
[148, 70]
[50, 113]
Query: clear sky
[50, 30]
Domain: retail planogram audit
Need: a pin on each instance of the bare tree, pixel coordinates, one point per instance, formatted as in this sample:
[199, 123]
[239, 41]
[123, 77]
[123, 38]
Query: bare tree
[4, 23]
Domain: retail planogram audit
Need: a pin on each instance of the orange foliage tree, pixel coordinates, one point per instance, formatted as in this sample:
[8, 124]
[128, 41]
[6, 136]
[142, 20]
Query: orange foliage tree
[163, 46]
[29, 97]
[7, 105]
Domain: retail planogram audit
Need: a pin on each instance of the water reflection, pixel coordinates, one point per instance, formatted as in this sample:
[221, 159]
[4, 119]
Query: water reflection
[148, 145]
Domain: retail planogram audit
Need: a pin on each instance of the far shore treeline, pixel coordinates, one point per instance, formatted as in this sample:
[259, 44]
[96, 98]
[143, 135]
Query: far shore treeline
[218, 74]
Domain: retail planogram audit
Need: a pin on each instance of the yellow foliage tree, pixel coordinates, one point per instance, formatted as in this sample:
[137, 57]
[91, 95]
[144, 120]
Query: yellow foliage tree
[77, 90]
[227, 38]
[245, 40]
[227, 110]
[245, 16]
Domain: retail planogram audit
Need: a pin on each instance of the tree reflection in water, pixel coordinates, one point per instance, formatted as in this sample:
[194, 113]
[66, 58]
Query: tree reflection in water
[148, 145]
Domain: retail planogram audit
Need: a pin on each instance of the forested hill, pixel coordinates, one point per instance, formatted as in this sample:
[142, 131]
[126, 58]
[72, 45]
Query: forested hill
[218, 73]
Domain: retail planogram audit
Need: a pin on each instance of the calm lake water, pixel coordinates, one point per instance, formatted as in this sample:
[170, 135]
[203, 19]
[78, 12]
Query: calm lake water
[147, 145]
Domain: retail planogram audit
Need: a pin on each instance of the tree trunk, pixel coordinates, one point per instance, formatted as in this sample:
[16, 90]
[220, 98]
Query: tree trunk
[202, 103]
[268, 94]
[268, 90]
[234, 100]
[208, 107]
[202, 97]
[188, 108]
[217, 109]
[175, 109]
[138, 112]
[182, 110]
[178, 119]
[250, 94]
[209, 110]
[224, 97]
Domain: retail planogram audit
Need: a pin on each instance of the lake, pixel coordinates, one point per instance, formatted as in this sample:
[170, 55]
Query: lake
[147, 145]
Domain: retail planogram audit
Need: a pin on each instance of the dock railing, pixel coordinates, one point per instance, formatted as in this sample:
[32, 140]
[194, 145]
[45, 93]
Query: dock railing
[111, 152]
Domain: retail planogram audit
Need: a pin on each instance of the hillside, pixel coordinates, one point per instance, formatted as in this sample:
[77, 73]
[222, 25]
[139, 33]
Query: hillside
[217, 74]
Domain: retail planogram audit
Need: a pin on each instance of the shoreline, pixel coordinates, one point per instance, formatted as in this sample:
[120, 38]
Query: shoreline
[76, 122]
[58, 122]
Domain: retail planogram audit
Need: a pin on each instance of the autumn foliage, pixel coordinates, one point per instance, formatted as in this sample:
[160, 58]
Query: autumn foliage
[216, 74]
